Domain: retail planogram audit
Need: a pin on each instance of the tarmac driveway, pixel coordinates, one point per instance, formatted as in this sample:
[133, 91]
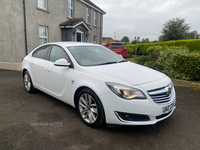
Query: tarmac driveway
[38, 121]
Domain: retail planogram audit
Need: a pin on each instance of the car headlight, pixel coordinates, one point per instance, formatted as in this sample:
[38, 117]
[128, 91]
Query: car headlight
[125, 92]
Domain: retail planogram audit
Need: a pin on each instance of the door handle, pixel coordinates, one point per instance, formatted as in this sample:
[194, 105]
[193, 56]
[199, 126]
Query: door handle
[47, 69]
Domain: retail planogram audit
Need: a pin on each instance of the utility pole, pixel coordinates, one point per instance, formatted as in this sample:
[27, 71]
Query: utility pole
[114, 36]
[136, 39]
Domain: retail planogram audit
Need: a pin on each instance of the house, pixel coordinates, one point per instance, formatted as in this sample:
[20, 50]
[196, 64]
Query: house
[107, 40]
[26, 24]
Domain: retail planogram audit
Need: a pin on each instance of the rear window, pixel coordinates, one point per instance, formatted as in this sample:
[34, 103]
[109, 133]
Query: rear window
[117, 45]
[42, 52]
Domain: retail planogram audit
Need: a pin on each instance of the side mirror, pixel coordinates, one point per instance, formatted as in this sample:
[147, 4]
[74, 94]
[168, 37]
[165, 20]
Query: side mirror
[62, 63]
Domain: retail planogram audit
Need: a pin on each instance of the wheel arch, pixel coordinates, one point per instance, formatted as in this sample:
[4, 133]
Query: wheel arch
[77, 92]
[23, 71]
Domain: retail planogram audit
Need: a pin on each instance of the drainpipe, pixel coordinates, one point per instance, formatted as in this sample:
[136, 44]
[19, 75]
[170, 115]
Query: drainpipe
[25, 32]
[101, 28]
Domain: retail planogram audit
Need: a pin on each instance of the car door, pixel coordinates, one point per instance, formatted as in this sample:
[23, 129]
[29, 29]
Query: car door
[58, 79]
[37, 66]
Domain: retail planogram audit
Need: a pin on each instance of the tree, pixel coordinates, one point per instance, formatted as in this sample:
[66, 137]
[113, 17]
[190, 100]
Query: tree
[193, 35]
[125, 39]
[134, 42]
[160, 38]
[145, 40]
[154, 41]
[175, 29]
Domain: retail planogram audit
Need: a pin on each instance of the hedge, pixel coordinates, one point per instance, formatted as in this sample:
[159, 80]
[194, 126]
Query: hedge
[193, 45]
[188, 65]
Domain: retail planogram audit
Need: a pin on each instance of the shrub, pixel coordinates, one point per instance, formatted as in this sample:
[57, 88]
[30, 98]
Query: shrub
[175, 61]
[193, 45]
[125, 43]
[187, 66]
[154, 52]
[132, 46]
[142, 60]
[129, 53]
[166, 59]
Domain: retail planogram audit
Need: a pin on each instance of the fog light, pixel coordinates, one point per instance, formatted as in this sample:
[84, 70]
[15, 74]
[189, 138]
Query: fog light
[131, 117]
[128, 117]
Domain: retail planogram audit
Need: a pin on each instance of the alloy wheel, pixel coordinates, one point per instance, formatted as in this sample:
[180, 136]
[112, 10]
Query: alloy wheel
[88, 108]
[27, 82]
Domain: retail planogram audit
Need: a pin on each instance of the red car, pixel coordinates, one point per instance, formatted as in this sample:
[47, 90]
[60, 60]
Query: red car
[117, 47]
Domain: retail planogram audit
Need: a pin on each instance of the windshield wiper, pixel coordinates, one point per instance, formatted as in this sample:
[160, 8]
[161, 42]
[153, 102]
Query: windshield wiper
[114, 62]
[122, 61]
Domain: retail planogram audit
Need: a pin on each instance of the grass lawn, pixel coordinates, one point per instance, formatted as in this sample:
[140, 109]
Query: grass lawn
[133, 58]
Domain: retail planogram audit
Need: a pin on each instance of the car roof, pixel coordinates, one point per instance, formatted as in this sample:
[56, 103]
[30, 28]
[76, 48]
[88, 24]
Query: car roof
[68, 44]
[116, 42]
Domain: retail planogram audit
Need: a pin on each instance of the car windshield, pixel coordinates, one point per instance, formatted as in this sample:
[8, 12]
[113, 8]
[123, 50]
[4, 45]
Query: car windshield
[117, 45]
[94, 55]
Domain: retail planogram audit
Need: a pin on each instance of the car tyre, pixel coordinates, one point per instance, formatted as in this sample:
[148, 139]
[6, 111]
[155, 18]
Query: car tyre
[90, 108]
[28, 85]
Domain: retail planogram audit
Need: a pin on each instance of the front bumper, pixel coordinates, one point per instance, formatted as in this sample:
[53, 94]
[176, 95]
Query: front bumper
[140, 110]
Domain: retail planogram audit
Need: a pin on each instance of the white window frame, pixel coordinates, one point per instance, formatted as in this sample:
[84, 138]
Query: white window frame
[71, 8]
[45, 2]
[43, 37]
[95, 19]
[87, 15]
[82, 35]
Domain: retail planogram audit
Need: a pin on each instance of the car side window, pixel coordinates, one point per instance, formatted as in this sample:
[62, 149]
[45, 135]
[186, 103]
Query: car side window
[41, 53]
[58, 53]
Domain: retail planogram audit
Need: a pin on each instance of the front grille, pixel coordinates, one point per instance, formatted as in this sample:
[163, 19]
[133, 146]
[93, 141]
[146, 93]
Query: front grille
[162, 95]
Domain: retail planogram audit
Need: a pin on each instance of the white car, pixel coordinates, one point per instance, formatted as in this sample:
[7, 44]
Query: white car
[101, 85]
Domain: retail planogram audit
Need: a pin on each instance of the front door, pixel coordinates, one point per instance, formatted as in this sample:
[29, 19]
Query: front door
[79, 36]
[58, 79]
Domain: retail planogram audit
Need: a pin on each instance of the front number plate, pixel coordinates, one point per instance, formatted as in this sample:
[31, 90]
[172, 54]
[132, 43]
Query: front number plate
[168, 108]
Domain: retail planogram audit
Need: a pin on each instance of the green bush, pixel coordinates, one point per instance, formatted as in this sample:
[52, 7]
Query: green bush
[187, 66]
[154, 52]
[132, 46]
[193, 45]
[126, 43]
[165, 61]
[129, 53]
[176, 61]
[142, 60]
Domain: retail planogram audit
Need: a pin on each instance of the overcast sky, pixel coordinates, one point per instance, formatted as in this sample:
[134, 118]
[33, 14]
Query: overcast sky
[145, 18]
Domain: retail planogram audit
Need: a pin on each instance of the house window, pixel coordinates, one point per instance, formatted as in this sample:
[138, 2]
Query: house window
[43, 34]
[95, 18]
[42, 4]
[95, 39]
[87, 16]
[70, 8]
